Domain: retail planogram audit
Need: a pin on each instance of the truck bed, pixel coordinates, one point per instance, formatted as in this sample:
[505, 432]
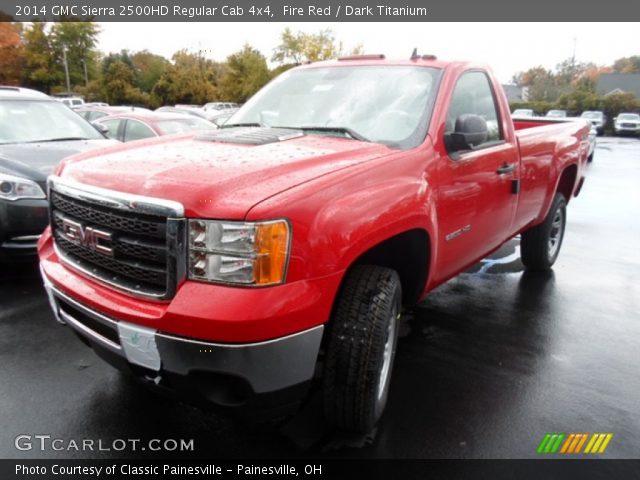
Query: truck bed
[546, 146]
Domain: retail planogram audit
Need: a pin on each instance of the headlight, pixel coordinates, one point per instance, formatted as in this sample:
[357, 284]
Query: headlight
[15, 188]
[245, 253]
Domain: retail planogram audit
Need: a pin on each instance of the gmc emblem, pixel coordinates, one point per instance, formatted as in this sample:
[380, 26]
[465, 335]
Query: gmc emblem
[88, 237]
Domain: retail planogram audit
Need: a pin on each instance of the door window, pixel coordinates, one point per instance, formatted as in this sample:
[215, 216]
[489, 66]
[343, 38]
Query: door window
[136, 130]
[473, 95]
[113, 126]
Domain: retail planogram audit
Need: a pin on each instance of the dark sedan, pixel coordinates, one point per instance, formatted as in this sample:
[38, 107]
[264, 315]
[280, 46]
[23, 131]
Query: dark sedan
[36, 132]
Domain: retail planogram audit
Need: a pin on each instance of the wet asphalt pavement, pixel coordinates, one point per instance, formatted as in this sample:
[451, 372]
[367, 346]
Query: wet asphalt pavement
[485, 366]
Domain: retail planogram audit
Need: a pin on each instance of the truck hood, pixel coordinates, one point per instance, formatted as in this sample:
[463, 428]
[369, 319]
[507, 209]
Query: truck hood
[37, 161]
[214, 179]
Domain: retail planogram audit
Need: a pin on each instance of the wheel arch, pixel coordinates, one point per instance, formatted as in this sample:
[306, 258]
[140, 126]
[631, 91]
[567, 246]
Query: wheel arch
[409, 253]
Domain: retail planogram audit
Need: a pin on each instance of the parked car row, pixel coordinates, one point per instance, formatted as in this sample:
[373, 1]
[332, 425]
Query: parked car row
[625, 123]
[216, 112]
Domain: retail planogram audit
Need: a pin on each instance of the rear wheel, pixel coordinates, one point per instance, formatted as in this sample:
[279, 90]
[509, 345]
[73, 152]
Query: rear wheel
[361, 348]
[540, 245]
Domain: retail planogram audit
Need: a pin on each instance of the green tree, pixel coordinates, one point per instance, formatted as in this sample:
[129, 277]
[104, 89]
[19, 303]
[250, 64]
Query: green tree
[149, 68]
[40, 71]
[302, 47]
[123, 56]
[79, 39]
[617, 103]
[579, 100]
[191, 78]
[246, 73]
[118, 85]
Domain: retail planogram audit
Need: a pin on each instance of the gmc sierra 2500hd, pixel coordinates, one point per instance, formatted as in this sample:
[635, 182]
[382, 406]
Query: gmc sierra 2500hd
[236, 266]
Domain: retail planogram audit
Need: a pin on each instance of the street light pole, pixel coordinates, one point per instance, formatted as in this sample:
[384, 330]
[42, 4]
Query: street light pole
[66, 68]
[86, 77]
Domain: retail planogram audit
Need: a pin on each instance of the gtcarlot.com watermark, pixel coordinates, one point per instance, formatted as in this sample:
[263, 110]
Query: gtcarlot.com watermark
[44, 443]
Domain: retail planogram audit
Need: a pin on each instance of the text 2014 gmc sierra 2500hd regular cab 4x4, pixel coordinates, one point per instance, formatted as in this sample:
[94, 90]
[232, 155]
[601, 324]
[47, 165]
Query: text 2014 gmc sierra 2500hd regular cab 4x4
[236, 266]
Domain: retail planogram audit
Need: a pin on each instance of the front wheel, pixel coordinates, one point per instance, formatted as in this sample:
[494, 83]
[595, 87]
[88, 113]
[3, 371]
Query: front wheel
[540, 245]
[361, 348]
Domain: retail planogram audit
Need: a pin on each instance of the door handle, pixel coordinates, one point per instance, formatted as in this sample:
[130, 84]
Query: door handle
[506, 168]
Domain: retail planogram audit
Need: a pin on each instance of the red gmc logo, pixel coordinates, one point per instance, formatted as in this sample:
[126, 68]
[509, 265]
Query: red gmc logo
[89, 237]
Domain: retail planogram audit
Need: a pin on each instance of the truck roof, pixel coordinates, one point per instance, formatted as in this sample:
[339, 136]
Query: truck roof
[380, 60]
[21, 93]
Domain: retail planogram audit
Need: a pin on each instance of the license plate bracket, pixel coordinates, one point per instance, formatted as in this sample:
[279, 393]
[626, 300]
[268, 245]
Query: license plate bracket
[139, 345]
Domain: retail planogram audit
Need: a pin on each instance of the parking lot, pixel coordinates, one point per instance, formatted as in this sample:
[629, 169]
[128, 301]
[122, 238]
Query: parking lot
[485, 366]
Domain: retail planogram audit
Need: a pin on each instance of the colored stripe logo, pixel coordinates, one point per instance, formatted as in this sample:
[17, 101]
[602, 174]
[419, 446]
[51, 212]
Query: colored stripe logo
[573, 443]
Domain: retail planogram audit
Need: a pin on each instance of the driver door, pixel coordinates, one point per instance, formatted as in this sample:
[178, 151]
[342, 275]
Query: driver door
[477, 187]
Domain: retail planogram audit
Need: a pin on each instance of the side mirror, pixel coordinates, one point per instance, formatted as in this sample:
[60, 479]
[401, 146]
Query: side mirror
[103, 129]
[218, 122]
[469, 132]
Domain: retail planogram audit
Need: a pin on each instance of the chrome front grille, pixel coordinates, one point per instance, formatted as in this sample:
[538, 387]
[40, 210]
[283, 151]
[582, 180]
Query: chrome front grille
[142, 249]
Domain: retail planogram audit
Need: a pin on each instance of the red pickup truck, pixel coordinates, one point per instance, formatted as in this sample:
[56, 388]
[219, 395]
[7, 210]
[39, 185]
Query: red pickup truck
[237, 266]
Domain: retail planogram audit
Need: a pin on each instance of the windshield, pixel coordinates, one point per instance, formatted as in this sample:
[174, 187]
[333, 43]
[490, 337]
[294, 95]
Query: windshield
[629, 116]
[187, 124]
[556, 113]
[596, 115]
[28, 121]
[389, 105]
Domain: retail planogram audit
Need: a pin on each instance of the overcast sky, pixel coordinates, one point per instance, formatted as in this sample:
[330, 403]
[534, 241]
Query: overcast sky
[507, 47]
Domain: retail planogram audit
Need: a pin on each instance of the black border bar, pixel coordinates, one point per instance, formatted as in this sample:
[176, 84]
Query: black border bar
[321, 11]
[315, 468]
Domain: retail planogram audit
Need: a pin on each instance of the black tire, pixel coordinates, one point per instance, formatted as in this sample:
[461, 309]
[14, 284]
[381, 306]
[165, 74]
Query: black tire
[364, 326]
[540, 245]
[590, 157]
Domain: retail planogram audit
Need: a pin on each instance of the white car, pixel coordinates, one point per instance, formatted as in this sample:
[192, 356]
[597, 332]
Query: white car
[597, 118]
[71, 101]
[627, 123]
[523, 112]
[556, 114]
[220, 106]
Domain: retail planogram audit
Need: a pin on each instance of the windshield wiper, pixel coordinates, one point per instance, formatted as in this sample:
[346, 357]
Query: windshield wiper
[61, 139]
[345, 130]
[254, 124]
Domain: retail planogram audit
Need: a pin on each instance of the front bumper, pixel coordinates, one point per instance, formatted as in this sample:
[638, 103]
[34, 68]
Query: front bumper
[21, 223]
[208, 312]
[270, 376]
[628, 130]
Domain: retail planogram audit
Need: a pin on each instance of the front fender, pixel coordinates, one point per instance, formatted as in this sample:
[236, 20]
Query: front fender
[339, 217]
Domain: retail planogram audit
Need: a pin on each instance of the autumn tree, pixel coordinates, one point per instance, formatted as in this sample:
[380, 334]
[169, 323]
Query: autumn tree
[550, 85]
[296, 48]
[627, 65]
[11, 63]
